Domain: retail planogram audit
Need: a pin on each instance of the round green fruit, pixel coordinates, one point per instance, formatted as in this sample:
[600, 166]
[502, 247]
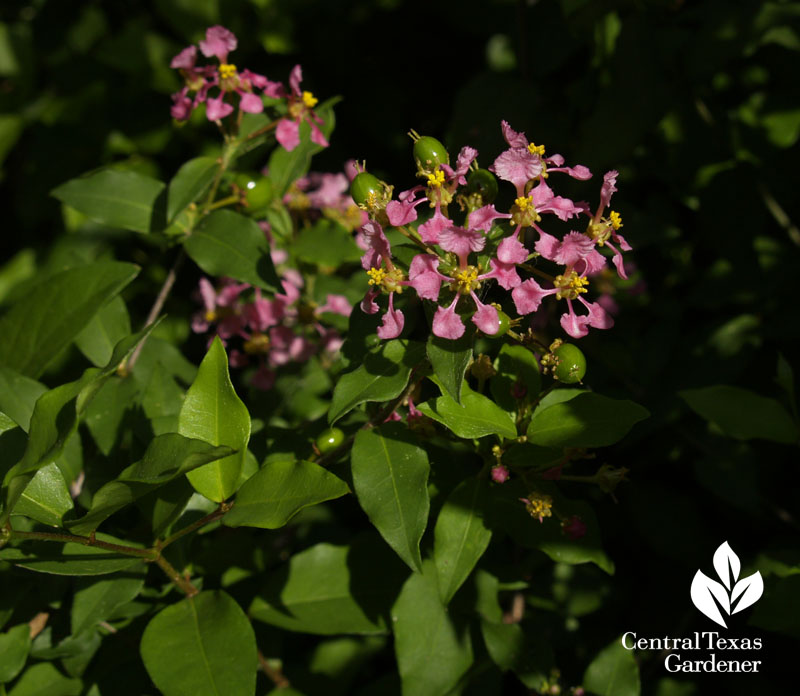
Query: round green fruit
[571, 366]
[430, 153]
[504, 324]
[257, 190]
[329, 439]
[362, 185]
[484, 183]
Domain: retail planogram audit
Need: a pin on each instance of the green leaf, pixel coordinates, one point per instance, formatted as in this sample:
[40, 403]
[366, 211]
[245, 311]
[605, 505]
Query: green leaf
[460, 535]
[226, 243]
[286, 167]
[201, 646]
[390, 480]
[742, 414]
[117, 198]
[514, 365]
[71, 558]
[476, 416]
[44, 678]
[107, 328]
[212, 412]
[382, 376]
[512, 647]
[46, 498]
[189, 184]
[15, 644]
[96, 600]
[167, 457]
[326, 244]
[105, 415]
[449, 360]
[271, 497]
[53, 313]
[330, 589]
[432, 654]
[18, 395]
[588, 420]
[613, 672]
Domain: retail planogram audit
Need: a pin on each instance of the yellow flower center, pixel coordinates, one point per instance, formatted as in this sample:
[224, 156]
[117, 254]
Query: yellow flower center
[523, 202]
[210, 315]
[599, 231]
[436, 179]
[615, 219]
[258, 343]
[376, 276]
[309, 100]
[466, 280]
[536, 149]
[570, 285]
[227, 71]
[539, 505]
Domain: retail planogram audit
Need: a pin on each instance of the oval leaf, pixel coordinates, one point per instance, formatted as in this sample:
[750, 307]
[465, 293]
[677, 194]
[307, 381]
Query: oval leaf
[390, 480]
[212, 412]
[191, 182]
[271, 497]
[46, 498]
[15, 645]
[460, 536]
[202, 646]
[96, 600]
[44, 678]
[613, 672]
[229, 244]
[588, 420]
[475, 416]
[449, 360]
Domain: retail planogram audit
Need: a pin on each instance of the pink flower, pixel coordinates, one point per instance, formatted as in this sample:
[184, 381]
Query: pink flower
[301, 106]
[373, 241]
[518, 166]
[403, 211]
[393, 321]
[220, 308]
[219, 42]
[424, 277]
[486, 318]
[336, 304]
[500, 473]
[529, 295]
[575, 250]
[430, 230]
[446, 323]
[461, 242]
[505, 274]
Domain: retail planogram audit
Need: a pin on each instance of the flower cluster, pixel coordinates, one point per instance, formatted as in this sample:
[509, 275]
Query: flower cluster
[227, 84]
[462, 252]
[273, 332]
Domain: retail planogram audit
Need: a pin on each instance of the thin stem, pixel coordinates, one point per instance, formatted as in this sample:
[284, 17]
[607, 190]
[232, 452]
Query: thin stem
[202, 522]
[178, 579]
[261, 131]
[416, 239]
[278, 678]
[158, 305]
[147, 554]
[536, 271]
[222, 202]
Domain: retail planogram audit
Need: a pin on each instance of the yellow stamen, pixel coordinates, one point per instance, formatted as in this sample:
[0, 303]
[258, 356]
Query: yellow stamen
[226, 71]
[210, 315]
[466, 280]
[539, 505]
[615, 219]
[436, 179]
[536, 149]
[523, 202]
[376, 276]
[570, 285]
[309, 100]
[258, 343]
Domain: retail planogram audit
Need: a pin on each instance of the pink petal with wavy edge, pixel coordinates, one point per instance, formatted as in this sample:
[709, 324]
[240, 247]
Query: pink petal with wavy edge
[529, 295]
[482, 218]
[401, 212]
[518, 166]
[512, 251]
[505, 274]
[251, 104]
[547, 245]
[597, 317]
[432, 229]
[573, 248]
[372, 240]
[594, 262]
[336, 304]
[511, 136]
[288, 134]
[317, 136]
[216, 109]
[486, 318]
[463, 161]
[393, 321]
[219, 42]
[446, 323]
[574, 325]
[608, 188]
[185, 59]
[368, 304]
[295, 78]
[461, 241]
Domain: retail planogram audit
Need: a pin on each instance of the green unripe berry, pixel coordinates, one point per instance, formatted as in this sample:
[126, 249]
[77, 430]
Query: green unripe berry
[484, 183]
[429, 153]
[257, 190]
[329, 439]
[362, 185]
[571, 366]
[504, 324]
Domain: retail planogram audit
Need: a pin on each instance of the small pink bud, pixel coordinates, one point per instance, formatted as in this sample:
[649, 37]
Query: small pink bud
[574, 527]
[500, 474]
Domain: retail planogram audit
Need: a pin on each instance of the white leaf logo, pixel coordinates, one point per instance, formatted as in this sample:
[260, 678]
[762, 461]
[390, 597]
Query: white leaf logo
[730, 595]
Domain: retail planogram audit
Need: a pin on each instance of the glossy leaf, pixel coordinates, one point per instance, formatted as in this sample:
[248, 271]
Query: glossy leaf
[390, 477]
[213, 412]
[515, 365]
[476, 415]
[44, 678]
[123, 199]
[460, 536]
[329, 589]
[432, 653]
[588, 420]
[95, 600]
[46, 498]
[18, 395]
[53, 313]
[742, 414]
[15, 644]
[71, 558]
[201, 646]
[277, 492]
[226, 243]
[107, 328]
[613, 672]
[382, 376]
[449, 360]
[167, 457]
[326, 244]
[190, 183]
